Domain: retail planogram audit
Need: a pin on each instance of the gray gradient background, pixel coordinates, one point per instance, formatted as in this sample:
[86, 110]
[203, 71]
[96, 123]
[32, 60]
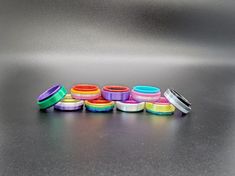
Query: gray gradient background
[184, 44]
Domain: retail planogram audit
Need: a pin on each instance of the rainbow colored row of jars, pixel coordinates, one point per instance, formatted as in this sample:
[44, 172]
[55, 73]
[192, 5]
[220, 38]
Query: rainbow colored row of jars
[94, 99]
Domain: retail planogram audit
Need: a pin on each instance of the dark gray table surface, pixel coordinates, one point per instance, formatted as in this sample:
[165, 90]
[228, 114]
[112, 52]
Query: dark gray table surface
[187, 45]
